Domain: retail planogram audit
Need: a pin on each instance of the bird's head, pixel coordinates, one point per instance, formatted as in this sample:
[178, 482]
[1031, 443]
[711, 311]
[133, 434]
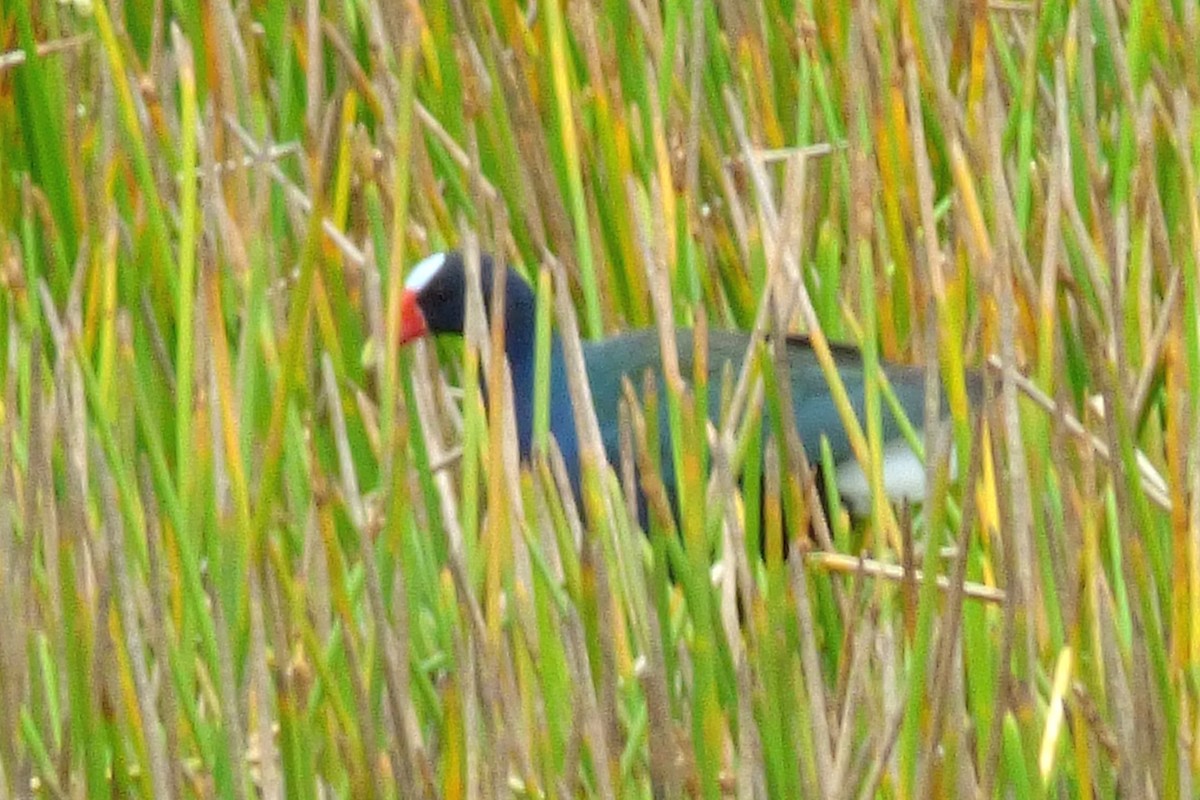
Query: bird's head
[434, 300]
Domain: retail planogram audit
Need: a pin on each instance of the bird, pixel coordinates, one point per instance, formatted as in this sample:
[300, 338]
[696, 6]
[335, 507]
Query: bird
[433, 302]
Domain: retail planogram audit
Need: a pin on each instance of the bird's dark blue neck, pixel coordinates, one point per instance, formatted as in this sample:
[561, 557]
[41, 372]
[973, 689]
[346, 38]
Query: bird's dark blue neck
[521, 347]
[520, 344]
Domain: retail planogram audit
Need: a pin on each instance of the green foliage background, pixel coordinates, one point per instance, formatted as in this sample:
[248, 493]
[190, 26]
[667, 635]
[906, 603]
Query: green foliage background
[250, 548]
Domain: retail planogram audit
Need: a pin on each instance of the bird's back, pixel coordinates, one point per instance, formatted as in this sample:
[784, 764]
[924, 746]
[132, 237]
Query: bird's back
[816, 415]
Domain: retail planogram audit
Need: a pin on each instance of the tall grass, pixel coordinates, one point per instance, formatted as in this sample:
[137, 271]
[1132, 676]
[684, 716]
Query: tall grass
[250, 547]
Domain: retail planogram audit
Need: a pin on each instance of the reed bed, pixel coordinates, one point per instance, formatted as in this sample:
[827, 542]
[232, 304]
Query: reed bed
[249, 547]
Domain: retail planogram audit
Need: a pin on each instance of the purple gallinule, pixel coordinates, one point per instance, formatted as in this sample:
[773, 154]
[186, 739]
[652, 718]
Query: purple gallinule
[434, 302]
